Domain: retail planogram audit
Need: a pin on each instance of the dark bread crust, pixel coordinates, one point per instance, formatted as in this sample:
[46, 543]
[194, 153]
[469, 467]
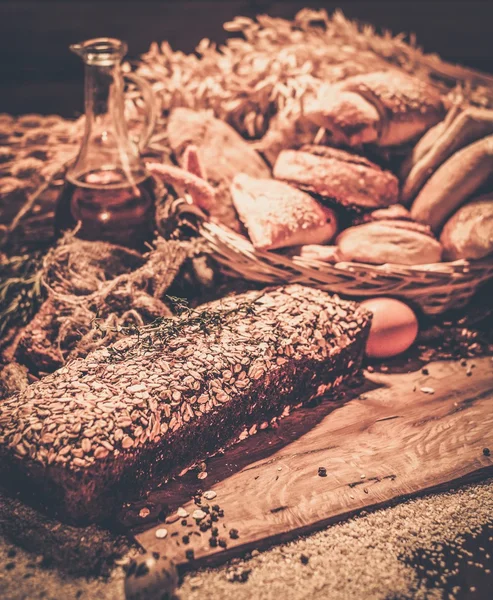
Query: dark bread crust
[91, 435]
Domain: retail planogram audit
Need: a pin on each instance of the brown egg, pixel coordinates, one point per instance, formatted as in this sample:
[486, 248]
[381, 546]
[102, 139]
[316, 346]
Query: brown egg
[394, 327]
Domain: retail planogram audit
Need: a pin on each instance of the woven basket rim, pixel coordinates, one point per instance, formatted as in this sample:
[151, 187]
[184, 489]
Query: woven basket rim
[444, 267]
[209, 229]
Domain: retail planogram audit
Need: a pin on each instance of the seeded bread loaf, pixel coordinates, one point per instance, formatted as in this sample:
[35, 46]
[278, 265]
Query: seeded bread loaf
[96, 431]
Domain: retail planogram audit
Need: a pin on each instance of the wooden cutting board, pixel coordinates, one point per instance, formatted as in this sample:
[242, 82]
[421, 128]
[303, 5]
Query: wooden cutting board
[404, 434]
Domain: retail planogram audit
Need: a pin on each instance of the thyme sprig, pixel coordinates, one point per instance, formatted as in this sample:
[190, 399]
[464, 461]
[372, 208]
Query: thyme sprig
[158, 333]
[21, 291]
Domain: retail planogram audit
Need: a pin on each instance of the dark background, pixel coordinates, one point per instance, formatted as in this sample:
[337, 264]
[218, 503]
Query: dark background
[39, 74]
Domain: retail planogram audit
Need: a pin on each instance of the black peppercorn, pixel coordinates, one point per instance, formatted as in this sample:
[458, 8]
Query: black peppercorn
[222, 542]
[189, 554]
[233, 534]
[322, 472]
[185, 539]
[486, 451]
[212, 542]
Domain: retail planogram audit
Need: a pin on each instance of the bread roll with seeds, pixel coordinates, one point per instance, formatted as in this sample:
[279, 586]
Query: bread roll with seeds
[453, 183]
[387, 108]
[277, 215]
[469, 232]
[349, 179]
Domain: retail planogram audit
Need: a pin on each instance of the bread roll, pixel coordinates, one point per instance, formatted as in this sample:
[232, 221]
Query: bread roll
[349, 179]
[394, 212]
[388, 108]
[328, 254]
[277, 215]
[383, 242]
[469, 232]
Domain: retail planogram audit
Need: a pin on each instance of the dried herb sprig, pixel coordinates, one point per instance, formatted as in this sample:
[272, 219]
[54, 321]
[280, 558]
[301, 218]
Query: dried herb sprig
[21, 291]
[159, 332]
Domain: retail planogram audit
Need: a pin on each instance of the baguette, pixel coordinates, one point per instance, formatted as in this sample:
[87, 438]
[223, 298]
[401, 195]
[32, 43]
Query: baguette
[453, 183]
[466, 128]
[95, 432]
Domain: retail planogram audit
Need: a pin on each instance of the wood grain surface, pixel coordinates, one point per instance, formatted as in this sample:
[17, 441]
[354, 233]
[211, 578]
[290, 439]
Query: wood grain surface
[391, 440]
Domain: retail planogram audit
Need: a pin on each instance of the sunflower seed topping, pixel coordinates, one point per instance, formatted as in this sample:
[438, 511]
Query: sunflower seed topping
[95, 409]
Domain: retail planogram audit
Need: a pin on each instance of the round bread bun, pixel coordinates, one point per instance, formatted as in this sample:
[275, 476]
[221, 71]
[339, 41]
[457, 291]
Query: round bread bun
[469, 232]
[383, 242]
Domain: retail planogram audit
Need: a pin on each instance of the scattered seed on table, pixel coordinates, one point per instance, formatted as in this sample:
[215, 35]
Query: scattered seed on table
[210, 495]
[199, 514]
[184, 522]
[190, 554]
[425, 371]
[222, 542]
[212, 542]
[161, 533]
[304, 559]
[181, 512]
[322, 472]
[233, 534]
[486, 451]
[427, 390]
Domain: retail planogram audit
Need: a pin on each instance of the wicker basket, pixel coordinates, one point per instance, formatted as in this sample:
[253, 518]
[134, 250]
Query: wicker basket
[434, 288]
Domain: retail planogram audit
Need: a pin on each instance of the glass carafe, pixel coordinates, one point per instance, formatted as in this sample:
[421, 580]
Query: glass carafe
[108, 194]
